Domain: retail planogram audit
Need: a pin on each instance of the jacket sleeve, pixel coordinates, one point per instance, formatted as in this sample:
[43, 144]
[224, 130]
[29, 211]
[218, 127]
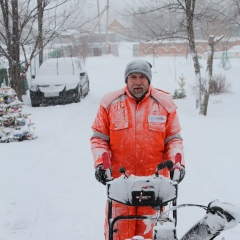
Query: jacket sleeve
[173, 141]
[100, 138]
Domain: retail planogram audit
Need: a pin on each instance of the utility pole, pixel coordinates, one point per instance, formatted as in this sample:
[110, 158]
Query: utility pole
[107, 43]
[99, 26]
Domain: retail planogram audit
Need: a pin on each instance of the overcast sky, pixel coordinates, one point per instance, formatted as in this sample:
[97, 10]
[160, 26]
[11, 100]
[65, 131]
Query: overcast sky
[115, 10]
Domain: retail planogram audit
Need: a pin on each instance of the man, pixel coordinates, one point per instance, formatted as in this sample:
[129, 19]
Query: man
[138, 127]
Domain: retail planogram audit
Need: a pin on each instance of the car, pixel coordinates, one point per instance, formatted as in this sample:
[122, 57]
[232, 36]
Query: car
[59, 81]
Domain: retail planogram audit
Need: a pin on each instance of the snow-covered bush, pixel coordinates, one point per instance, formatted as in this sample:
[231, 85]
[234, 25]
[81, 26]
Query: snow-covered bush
[218, 84]
[14, 124]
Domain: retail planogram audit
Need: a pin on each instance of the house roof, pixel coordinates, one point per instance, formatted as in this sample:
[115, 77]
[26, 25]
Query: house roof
[116, 24]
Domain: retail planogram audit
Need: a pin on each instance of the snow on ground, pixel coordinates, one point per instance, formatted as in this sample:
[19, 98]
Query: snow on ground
[47, 185]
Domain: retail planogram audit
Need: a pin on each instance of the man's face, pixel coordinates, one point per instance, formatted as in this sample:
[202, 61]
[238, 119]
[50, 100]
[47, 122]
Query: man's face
[137, 84]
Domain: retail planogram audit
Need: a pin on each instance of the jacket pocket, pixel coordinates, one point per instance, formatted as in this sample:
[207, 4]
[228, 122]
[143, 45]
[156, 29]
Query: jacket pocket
[157, 123]
[118, 116]
[118, 125]
[157, 127]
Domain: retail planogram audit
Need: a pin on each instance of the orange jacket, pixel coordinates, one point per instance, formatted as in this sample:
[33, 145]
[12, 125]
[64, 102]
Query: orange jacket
[137, 136]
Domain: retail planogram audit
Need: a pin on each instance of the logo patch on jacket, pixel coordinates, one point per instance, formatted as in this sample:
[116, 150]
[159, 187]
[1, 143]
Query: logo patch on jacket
[161, 119]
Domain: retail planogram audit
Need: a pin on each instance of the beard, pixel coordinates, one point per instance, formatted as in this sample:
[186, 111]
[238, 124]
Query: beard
[138, 92]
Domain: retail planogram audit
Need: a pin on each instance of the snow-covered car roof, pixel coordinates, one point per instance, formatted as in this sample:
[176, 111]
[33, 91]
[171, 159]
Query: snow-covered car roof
[61, 66]
[59, 71]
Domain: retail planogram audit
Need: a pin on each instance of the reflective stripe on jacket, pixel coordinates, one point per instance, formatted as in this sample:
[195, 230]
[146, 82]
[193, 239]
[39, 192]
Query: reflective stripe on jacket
[137, 136]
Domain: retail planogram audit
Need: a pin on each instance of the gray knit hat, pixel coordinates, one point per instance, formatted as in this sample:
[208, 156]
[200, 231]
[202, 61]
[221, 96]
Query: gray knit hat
[139, 66]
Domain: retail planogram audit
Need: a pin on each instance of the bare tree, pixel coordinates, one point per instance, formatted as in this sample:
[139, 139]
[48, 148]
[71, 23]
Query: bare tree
[178, 19]
[205, 85]
[172, 19]
[11, 21]
[40, 9]
[55, 17]
[229, 10]
[27, 27]
[189, 10]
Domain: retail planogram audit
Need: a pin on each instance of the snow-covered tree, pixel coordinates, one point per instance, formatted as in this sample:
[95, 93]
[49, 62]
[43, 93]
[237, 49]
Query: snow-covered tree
[14, 124]
[180, 92]
[27, 26]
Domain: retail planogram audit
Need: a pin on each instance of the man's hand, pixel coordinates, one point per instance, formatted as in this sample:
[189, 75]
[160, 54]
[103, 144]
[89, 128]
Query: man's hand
[100, 174]
[178, 173]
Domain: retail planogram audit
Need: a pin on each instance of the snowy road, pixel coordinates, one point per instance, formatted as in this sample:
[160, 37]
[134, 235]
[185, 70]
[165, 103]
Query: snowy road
[47, 185]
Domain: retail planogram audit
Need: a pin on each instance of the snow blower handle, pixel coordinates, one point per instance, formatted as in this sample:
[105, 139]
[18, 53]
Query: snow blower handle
[177, 167]
[175, 176]
[167, 164]
[106, 166]
[122, 170]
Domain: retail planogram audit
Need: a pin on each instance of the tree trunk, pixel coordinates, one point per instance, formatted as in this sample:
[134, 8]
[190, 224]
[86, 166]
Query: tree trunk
[16, 81]
[40, 31]
[209, 70]
[190, 7]
[205, 87]
[197, 72]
